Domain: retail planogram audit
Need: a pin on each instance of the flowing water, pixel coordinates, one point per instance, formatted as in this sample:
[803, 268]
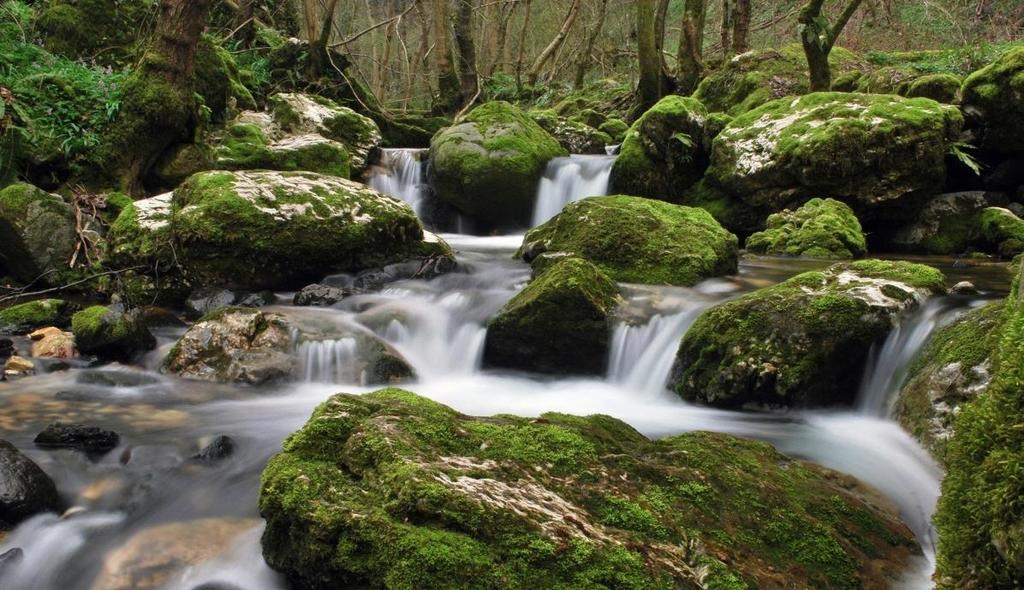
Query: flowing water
[570, 179]
[401, 174]
[439, 326]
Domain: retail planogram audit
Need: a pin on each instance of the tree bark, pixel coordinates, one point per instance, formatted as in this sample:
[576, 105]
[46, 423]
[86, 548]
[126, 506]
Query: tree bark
[691, 46]
[178, 28]
[318, 58]
[449, 88]
[246, 22]
[650, 88]
[740, 26]
[555, 44]
[586, 57]
[466, 46]
[818, 38]
[522, 49]
[726, 34]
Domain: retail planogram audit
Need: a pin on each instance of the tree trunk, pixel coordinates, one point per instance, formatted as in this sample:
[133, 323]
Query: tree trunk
[522, 49]
[464, 42]
[727, 12]
[492, 36]
[555, 44]
[586, 57]
[691, 46]
[449, 90]
[740, 26]
[318, 58]
[246, 22]
[650, 86]
[158, 106]
[818, 38]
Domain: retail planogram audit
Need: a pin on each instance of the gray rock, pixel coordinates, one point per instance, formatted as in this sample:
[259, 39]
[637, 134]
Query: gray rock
[320, 295]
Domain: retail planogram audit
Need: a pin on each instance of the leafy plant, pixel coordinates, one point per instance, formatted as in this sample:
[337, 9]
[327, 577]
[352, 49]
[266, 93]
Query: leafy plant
[961, 151]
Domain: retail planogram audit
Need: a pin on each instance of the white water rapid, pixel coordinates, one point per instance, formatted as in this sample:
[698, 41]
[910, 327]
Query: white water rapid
[401, 174]
[570, 179]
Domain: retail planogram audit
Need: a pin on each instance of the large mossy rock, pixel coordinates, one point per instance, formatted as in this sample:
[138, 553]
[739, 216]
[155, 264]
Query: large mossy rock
[235, 345]
[25, 489]
[249, 146]
[391, 490]
[304, 114]
[944, 88]
[26, 317]
[665, 152]
[636, 240]
[803, 342]
[111, 332]
[880, 154]
[265, 230]
[560, 323]
[993, 99]
[1000, 232]
[822, 228]
[953, 369]
[980, 517]
[37, 234]
[751, 79]
[488, 165]
[947, 224]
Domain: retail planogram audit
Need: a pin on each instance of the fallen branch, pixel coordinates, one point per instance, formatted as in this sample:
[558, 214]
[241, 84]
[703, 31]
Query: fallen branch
[23, 294]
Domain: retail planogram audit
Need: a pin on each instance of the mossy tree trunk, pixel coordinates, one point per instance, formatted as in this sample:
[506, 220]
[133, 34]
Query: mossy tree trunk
[246, 22]
[158, 107]
[690, 56]
[651, 86]
[818, 38]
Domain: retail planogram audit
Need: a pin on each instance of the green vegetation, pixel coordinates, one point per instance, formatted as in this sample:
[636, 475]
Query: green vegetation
[110, 332]
[822, 228]
[41, 313]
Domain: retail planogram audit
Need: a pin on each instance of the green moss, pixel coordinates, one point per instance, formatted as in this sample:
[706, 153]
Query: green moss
[801, 342]
[1000, 232]
[574, 136]
[37, 235]
[244, 146]
[560, 323]
[664, 152]
[637, 240]
[95, 29]
[110, 332]
[488, 164]
[943, 88]
[992, 97]
[32, 315]
[615, 128]
[301, 113]
[886, 80]
[821, 228]
[217, 80]
[390, 489]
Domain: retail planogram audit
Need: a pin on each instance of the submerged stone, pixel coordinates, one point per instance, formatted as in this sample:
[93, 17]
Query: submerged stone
[803, 342]
[389, 489]
[821, 228]
[636, 240]
[81, 437]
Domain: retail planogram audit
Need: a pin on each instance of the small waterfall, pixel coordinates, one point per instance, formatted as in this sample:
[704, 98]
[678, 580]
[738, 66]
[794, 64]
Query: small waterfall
[330, 361]
[440, 346]
[642, 356]
[887, 368]
[570, 179]
[401, 174]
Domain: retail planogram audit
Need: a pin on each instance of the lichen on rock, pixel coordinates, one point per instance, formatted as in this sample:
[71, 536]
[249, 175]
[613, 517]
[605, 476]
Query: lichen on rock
[305, 114]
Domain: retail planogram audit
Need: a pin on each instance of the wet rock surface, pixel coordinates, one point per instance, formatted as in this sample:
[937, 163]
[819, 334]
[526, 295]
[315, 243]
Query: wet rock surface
[25, 489]
[81, 437]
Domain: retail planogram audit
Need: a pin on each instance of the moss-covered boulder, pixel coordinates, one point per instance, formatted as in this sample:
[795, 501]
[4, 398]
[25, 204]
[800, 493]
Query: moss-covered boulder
[946, 224]
[303, 114]
[247, 146]
[822, 228]
[803, 342]
[665, 151]
[576, 137]
[877, 153]
[218, 81]
[993, 99]
[389, 489]
[615, 128]
[944, 88]
[94, 30]
[37, 234]
[111, 332]
[980, 515]
[265, 230]
[1000, 232]
[953, 369]
[26, 317]
[488, 164]
[636, 240]
[751, 79]
[886, 80]
[560, 323]
[235, 345]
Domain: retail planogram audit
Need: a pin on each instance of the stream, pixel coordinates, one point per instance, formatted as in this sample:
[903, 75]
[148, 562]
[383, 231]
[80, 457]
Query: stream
[439, 326]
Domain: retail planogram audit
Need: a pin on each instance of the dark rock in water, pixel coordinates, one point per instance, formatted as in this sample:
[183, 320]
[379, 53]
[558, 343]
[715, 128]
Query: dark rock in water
[221, 448]
[963, 288]
[90, 439]
[11, 558]
[115, 378]
[217, 586]
[320, 295]
[111, 332]
[436, 266]
[203, 301]
[373, 280]
[25, 489]
[6, 348]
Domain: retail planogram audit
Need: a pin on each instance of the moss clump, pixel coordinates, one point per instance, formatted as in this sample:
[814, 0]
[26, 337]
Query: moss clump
[574, 136]
[822, 228]
[25, 317]
[218, 81]
[803, 342]
[488, 165]
[665, 151]
[95, 29]
[110, 332]
[244, 146]
[560, 323]
[37, 234]
[754, 78]
[886, 80]
[991, 97]
[389, 489]
[953, 369]
[943, 88]
[637, 240]
[873, 152]
[615, 128]
[285, 228]
[981, 540]
[1000, 232]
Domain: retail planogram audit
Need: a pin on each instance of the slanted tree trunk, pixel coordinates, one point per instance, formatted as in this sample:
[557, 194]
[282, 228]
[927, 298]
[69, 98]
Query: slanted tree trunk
[650, 88]
[818, 38]
[690, 56]
[466, 46]
[740, 26]
[586, 57]
[318, 58]
[449, 88]
[158, 106]
[555, 44]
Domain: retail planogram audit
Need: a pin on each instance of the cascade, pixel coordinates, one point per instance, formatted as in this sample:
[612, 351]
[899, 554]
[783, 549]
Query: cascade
[329, 361]
[401, 175]
[571, 179]
[642, 355]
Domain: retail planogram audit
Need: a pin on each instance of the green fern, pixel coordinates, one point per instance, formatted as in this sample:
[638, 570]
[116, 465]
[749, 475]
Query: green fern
[961, 151]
